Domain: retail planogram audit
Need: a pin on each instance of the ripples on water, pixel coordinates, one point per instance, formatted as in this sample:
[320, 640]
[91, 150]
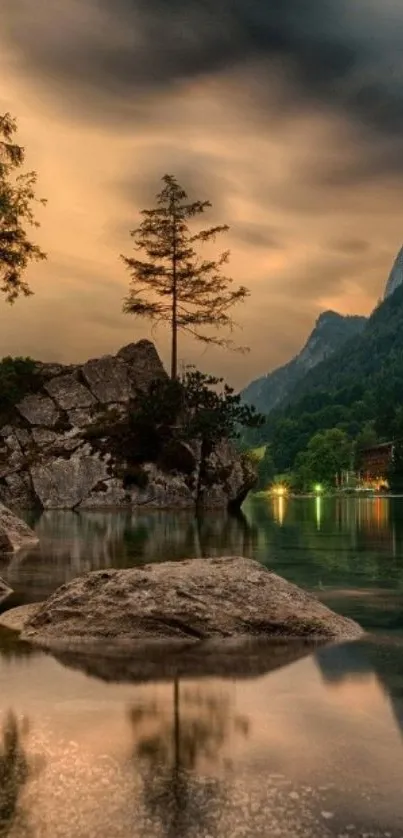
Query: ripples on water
[310, 748]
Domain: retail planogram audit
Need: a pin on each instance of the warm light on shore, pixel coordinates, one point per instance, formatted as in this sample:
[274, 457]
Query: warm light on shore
[279, 491]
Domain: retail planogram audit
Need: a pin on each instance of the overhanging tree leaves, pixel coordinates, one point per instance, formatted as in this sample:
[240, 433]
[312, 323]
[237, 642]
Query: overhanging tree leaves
[174, 284]
[17, 194]
[194, 406]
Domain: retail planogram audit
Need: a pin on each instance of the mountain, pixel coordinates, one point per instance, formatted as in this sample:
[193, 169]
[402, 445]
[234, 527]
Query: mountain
[396, 275]
[331, 332]
[361, 382]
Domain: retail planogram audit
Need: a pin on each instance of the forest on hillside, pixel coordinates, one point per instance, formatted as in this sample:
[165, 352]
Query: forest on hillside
[357, 392]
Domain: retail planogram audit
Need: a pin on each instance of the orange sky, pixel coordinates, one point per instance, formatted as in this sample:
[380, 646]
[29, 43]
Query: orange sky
[310, 188]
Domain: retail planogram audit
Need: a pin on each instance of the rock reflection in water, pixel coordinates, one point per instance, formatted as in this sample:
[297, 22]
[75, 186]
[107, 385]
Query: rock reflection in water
[174, 756]
[381, 657]
[73, 543]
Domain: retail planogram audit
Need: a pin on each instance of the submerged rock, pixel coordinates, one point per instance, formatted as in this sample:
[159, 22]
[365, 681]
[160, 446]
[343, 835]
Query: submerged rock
[191, 600]
[14, 532]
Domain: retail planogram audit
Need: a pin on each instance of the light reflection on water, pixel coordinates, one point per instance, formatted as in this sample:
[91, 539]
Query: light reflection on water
[348, 550]
[310, 749]
[313, 748]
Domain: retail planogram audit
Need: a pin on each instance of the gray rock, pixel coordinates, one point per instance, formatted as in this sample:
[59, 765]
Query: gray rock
[11, 456]
[65, 443]
[50, 370]
[108, 379]
[64, 483]
[14, 532]
[43, 437]
[67, 412]
[191, 600]
[39, 410]
[16, 490]
[23, 437]
[108, 493]
[81, 417]
[68, 392]
[164, 491]
[6, 430]
[395, 279]
[227, 478]
[143, 362]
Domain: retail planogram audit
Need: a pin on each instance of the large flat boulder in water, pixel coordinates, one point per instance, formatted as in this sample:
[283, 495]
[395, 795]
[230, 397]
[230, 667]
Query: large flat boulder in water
[194, 600]
[14, 532]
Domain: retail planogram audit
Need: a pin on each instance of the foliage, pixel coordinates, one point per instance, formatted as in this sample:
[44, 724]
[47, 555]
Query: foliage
[196, 406]
[359, 387]
[173, 284]
[17, 194]
[265, 470]
[17, 378]
[327, 454]
[168, 412]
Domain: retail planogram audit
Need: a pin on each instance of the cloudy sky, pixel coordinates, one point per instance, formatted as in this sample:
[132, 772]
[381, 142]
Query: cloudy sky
[287, 115]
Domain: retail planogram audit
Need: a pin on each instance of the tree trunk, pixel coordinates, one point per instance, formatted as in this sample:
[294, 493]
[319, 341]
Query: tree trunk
[174, 348]
[174, 321]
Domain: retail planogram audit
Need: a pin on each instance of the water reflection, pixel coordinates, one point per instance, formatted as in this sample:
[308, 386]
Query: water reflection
[73, 543]
[174, 754]
[347, 549]
[311, 749]
[15, 771]
[356, 661]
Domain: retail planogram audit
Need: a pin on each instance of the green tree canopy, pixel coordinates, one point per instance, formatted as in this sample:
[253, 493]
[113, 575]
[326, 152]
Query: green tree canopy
[327, 454]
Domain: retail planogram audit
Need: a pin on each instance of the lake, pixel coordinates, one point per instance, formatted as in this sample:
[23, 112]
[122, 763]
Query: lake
[306, 744]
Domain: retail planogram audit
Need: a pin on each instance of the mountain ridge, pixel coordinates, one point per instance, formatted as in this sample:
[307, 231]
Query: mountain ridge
[330, 332]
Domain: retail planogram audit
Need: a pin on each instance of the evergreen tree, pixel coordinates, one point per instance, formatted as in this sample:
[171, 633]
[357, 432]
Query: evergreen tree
[173, 284]
[17, 194]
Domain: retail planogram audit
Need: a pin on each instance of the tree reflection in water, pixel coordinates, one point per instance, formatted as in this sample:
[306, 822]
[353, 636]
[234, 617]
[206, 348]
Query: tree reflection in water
[14, 769]
[172, 753]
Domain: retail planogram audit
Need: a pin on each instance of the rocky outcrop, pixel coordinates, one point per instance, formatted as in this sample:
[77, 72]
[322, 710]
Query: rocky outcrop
[49, 459]
[14, 533]
[226, 479]
[191, 600]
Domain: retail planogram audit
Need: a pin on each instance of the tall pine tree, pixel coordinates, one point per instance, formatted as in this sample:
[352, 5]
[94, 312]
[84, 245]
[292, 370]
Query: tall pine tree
[17, 194]
[174, 284]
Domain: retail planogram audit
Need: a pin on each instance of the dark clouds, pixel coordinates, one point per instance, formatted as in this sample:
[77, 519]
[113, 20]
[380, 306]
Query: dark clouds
[350, 246]
[259, 235]
[286, 114]
[342, 54]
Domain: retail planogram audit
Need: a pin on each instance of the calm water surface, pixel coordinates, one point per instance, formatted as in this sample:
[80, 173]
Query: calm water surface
[312, 747]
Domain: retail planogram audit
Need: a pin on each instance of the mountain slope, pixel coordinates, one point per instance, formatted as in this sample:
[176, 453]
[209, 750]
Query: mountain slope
[361, 382]
[331, 331]
[396, 275]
